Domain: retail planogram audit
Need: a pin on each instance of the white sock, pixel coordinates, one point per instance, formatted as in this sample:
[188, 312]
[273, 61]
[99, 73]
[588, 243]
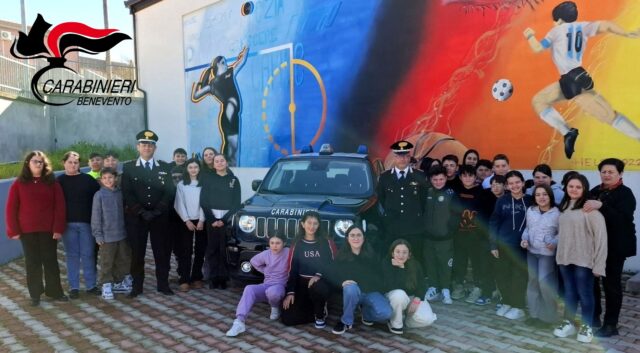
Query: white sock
[626, 126]
[555, 120]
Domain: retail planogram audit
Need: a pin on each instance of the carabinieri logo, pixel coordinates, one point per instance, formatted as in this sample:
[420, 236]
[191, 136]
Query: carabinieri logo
[61, 40]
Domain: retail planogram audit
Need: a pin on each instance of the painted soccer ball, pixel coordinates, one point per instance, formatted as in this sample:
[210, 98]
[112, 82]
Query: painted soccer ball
[502, 90]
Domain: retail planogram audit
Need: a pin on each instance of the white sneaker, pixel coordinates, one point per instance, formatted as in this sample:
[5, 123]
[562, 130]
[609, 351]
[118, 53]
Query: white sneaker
[458, 292]
[275, 313]
[128, 281]
[446, 296]
[514, 314]
[565, 329]
[503, 309]
[121, 287]
[432, 294]
[585, 335]
[475, 294]
[236, 329]
[106, 291]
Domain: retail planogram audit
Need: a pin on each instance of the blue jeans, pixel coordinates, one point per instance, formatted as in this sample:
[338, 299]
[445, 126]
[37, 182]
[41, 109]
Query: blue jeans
[578, 285]
[79, 246]
[375, 307]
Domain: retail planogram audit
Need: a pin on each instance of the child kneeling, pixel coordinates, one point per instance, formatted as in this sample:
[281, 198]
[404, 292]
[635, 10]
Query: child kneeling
[273, 264]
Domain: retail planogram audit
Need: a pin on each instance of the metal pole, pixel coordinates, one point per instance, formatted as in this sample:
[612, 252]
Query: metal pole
[23, 16]
[105, 12]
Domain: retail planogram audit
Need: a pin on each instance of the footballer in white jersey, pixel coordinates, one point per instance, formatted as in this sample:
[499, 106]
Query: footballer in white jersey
[567, 41]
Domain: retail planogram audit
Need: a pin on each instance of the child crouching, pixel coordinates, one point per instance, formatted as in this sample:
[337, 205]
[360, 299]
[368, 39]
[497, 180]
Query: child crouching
[273, 264]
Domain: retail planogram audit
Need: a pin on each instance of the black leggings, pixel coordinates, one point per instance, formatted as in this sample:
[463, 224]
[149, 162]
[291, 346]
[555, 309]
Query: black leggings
[308, 303]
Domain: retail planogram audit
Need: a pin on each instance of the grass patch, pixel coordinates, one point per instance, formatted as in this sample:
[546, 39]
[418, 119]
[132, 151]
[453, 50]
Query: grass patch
[12, 170]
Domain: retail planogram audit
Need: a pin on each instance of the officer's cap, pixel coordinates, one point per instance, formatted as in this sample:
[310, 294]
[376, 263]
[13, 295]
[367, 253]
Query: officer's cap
[147, 136]
[401, 147]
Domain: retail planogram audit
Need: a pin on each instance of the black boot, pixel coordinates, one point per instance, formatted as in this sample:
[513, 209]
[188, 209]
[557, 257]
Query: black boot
[570, 142]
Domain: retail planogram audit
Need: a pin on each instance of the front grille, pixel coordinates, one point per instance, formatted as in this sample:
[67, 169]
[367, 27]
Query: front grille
[271, 225]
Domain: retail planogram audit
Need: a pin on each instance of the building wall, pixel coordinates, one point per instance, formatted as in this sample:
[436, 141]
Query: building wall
[26, 125]
[160, 58]
[159, 52]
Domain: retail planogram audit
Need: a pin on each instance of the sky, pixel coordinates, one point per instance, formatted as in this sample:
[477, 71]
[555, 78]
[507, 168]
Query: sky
[88, 12]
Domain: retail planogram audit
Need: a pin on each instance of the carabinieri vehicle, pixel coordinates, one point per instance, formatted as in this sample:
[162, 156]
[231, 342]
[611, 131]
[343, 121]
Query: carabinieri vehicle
[339, 186]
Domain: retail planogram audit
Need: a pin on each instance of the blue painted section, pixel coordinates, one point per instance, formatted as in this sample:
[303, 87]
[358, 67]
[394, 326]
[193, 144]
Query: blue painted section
[331, 35]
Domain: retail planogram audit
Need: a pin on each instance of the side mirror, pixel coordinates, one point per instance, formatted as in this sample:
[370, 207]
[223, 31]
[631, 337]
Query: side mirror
[256, 184]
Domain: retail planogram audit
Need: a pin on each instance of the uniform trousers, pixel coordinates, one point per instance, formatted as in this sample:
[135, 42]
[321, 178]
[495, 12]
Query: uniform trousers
[138, 231]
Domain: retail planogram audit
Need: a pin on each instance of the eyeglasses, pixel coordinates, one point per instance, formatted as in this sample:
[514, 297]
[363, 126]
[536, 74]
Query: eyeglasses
[36, 161]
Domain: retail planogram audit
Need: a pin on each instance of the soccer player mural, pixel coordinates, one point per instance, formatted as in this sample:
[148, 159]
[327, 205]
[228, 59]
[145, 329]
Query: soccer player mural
[445, 75]
[568, 42]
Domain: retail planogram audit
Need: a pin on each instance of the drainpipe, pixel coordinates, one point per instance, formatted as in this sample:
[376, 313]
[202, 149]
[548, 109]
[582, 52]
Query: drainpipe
[135, 60]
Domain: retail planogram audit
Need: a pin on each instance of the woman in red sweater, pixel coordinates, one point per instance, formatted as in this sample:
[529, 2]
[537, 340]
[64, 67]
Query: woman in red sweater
[36, 215]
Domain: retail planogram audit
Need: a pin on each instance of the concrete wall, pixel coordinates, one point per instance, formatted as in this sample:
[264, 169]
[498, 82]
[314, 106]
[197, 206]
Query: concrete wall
[9, 249]
[26, 125]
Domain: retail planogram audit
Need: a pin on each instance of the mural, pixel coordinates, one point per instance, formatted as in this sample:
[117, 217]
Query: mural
[500, 76]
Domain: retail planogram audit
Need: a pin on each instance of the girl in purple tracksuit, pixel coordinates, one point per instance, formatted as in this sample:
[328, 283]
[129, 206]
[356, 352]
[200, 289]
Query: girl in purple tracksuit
[273, 264]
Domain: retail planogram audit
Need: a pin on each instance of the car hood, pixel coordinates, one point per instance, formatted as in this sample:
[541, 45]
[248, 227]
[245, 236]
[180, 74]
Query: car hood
[302, 202]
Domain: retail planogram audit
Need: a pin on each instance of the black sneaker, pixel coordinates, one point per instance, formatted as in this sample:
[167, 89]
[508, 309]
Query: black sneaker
[94, 291]
[35, 301]
[606, 331]
[74, 294]
[340, 328]
[61, 299]
[570, 142]
[166, 291]
[320, 323]
[367, 323]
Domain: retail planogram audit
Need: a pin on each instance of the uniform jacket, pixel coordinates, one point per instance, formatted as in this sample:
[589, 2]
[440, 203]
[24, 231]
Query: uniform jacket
[144, 189]
[402, 202]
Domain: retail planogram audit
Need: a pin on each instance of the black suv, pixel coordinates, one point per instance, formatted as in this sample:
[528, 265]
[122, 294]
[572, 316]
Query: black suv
[340, 186]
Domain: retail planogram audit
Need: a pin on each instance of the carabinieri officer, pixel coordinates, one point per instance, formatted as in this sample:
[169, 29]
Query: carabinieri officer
[401, 193]
[147, 189]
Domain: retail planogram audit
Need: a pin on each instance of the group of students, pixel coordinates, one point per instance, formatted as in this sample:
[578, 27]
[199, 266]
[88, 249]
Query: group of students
[300, 280]
[91, 214]
[562, 237]
[526, 244]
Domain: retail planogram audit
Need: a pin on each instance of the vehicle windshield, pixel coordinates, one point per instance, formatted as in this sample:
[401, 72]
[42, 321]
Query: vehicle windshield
[319, 176]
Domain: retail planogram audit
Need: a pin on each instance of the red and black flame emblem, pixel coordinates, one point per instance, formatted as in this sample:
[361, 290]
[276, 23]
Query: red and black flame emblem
[60, 40]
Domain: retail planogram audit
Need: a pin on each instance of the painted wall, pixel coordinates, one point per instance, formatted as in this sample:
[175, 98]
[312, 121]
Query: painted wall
[422, 71]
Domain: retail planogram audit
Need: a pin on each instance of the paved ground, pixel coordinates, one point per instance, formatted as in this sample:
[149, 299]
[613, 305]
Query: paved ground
[196, 322]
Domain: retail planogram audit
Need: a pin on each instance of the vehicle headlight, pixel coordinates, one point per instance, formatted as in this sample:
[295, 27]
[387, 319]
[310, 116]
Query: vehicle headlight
[245, 266]
[247, 224]
[341, 226]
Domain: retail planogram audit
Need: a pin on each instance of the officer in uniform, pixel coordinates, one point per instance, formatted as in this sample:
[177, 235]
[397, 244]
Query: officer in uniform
[401, 195]
[147, 189]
